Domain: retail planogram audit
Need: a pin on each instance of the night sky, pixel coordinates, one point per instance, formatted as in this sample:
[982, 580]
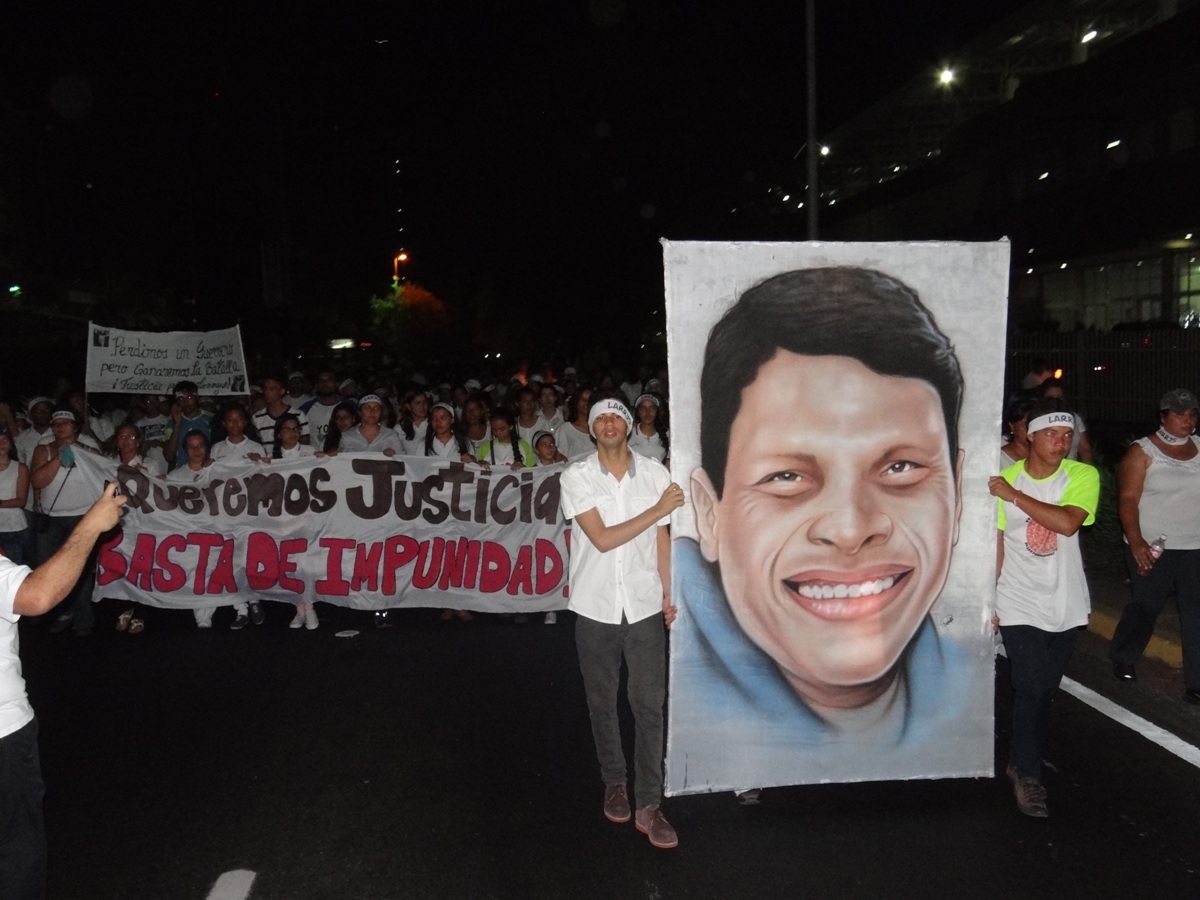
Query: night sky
[544, 147]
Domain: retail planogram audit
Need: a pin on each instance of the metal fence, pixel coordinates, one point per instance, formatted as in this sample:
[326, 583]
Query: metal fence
[1111, 377]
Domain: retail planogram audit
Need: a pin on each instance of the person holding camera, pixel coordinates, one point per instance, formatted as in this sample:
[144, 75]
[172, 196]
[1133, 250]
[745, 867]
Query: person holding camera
[26, 592]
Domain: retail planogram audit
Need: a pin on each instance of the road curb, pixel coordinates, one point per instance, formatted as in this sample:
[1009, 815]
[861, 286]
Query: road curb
[1168, 650]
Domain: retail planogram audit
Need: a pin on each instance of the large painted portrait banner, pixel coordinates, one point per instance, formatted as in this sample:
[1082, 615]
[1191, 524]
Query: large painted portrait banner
[835, 417]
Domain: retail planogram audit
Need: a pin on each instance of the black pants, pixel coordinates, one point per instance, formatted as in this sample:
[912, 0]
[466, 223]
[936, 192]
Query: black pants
[22, 827]
[643, 647]
[1037, 660]
[1175, 569]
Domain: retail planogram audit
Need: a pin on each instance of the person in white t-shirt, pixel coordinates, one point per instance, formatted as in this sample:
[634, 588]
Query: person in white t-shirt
[649, 437]
[442, 440]
[154, 425]
[236, 445]
[14, 489]
[320, 408]
[287, 440]
[546, 450]
[529, 418]
[414, 423]
[40, 410]
[298, 395]
[477, 430]
[1042, 600]
[548, 401]
[33, 592]
[572, 437]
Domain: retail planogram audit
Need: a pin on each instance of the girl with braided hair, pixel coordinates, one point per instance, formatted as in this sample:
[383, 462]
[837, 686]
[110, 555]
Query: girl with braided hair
[506, 448]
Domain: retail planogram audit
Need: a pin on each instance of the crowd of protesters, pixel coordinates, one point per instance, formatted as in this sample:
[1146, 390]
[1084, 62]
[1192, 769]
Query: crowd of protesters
[532, 419]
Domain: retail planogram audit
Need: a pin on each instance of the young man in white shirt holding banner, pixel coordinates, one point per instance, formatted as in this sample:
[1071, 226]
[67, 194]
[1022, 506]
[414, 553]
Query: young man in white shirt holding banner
[620, 575]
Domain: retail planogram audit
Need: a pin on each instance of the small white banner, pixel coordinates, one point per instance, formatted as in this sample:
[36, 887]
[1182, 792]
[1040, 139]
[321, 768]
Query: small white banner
[152, 362]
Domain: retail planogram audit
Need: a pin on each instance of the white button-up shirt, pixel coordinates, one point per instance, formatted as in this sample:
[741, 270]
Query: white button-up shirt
[625, 579]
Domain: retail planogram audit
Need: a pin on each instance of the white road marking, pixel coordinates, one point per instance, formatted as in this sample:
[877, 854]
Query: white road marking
[233, 885]
[1148, 730]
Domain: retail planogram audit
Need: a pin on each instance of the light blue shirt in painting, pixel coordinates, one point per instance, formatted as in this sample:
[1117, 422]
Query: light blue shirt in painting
[735, 721]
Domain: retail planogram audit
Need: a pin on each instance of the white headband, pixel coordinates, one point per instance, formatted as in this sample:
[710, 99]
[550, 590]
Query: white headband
[370, 398]
[1051, 419]
[604, 408]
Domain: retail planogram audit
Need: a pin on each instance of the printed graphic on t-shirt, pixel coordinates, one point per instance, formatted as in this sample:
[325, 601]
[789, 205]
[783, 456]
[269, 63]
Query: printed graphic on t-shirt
[1040, 540]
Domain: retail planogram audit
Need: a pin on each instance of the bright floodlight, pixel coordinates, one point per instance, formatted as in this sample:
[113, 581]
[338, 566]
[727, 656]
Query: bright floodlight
[946, 76]
[1111, 144]
[824, 150]
[1090, 36]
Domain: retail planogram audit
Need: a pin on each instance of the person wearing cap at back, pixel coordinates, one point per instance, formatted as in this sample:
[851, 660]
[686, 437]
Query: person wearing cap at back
[620, 587]
[1159, 494]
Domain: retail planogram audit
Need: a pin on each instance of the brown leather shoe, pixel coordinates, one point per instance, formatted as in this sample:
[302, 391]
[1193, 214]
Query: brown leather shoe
[616, 803]
[652, 823]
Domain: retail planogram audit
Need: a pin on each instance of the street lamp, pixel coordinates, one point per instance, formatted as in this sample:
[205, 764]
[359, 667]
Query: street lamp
[401, 257]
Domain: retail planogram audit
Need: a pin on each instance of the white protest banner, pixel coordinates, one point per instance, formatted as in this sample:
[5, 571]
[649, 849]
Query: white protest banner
[358, 530]
[152, 362]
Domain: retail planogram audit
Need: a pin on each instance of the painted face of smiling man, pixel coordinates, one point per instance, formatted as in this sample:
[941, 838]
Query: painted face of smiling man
[835, 525]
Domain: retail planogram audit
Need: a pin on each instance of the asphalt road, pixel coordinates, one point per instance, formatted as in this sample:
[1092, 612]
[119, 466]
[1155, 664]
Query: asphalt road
[454, 760]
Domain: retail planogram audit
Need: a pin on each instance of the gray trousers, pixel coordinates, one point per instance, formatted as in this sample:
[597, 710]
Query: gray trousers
[601, 648]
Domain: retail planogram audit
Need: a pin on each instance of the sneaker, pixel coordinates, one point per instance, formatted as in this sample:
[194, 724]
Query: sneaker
[257, 616]
[136, 626]
[1030, 794]
[652, 823]
[310, 618]
[239, 623]
[207, 623]
[616, 803]
[297, 620]
[551, 618]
